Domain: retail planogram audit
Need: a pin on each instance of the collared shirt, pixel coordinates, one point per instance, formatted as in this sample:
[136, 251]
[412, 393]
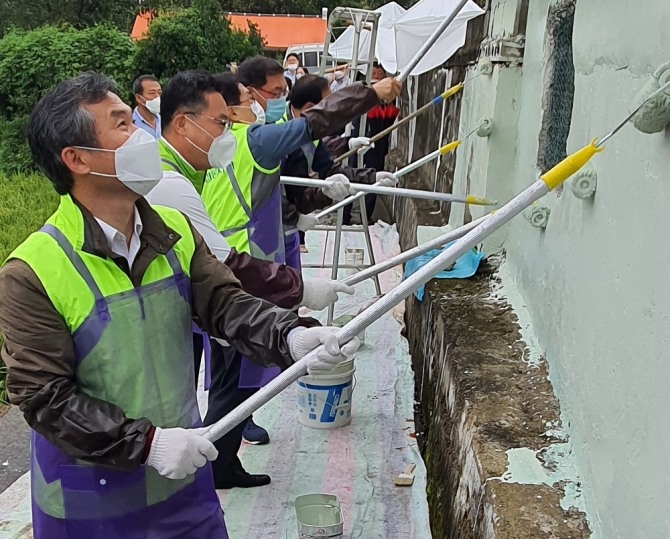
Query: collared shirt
[41, 362]
[176, 191]
[140, 122]
[118, 243]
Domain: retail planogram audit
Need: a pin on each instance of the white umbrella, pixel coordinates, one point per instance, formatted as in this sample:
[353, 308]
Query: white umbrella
[415, 26]
[342, 48]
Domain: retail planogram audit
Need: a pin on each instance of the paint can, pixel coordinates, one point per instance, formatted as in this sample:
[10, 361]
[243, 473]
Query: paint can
[319, 516]
[343, 320]
[324, 400]
[354, 256]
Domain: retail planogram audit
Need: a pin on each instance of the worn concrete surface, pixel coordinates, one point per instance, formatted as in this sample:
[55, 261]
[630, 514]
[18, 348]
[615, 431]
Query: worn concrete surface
[481, 398]
[484, 396]
[593, 280]
[14, 448]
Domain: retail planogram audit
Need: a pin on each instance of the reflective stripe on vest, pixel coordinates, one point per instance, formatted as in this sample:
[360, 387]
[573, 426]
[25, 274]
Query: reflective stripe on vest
[133, 349]
[228, 199]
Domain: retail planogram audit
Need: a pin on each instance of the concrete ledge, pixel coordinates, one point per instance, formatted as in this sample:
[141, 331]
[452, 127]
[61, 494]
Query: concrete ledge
[481, 398]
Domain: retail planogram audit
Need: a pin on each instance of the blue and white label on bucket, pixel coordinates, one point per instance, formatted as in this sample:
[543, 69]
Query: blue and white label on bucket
[324, 399]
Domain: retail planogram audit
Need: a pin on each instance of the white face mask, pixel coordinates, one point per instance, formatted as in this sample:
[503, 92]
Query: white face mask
[293, 68]
[137, 162]
[223, 148]
[258, 110]
[153, 105]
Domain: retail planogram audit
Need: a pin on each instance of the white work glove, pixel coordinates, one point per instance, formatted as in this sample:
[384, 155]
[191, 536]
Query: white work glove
[361, 144]
[301, 341]
[307, 222]
[176, 453]
[339, 187]
[386, 179]
[319, 293]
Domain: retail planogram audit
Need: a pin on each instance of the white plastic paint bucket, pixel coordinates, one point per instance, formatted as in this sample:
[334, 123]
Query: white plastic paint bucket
[343, 320]
[324, 400]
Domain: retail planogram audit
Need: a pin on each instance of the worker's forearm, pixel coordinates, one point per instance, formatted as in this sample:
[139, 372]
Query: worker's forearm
[334, 112]
[38, 352]
[276, 283]
[312, 199]
[87, 428]
[290, 215]
[256, 328]
[355, 175]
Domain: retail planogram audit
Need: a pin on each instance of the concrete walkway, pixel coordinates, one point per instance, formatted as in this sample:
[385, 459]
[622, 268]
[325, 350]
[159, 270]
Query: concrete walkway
[15, 446]
[358, 463]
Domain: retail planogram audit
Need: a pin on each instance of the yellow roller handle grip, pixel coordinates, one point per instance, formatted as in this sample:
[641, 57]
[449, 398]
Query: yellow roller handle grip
[571, 164]
[477, 201]
[450, 147]
[451, 91]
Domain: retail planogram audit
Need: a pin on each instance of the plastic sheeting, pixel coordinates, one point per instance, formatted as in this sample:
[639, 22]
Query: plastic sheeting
[402, 33]
[359, 462]
[466, 266]
[414, 27]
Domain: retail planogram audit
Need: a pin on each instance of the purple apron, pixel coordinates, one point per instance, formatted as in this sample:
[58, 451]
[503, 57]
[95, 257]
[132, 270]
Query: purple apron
[266, 243]
[134, 350]
[292, 249]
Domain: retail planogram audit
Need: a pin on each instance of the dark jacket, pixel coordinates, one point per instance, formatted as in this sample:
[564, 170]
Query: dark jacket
[308, 199]
[39, 355]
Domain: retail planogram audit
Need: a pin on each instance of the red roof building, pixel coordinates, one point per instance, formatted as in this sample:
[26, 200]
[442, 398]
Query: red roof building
[278, 31]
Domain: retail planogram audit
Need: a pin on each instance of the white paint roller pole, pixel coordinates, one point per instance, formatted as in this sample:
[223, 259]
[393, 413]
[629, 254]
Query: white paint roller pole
[381, 307]
[419, 250]
[407, 70]
[537, 190]
[392, 191]
[399, 174]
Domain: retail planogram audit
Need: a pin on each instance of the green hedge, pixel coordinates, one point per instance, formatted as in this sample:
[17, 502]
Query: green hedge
[27, 201]
[32, 62]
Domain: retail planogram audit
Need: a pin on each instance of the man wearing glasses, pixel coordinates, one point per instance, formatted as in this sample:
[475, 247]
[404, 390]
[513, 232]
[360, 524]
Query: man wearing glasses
[243, 199]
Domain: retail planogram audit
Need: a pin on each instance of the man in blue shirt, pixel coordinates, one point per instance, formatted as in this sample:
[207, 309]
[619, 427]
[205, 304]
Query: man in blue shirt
[146, 115]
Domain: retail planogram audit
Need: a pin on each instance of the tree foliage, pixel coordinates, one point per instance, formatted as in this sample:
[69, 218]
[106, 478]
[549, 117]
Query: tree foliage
[198, 37]
[34, 61]
[308, 7]
[27, 14]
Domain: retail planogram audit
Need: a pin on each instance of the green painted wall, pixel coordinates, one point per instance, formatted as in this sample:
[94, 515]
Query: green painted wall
[595, 282]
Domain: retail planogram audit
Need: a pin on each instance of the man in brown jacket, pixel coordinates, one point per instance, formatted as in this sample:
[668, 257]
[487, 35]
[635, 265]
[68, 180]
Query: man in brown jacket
[96, 314]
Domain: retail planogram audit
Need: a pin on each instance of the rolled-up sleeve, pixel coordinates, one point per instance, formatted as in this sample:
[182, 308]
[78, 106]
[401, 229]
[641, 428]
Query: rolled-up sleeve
[39, 355]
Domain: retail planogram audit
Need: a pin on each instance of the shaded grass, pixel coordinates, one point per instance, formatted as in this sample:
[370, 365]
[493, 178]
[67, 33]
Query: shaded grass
[26, 201]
